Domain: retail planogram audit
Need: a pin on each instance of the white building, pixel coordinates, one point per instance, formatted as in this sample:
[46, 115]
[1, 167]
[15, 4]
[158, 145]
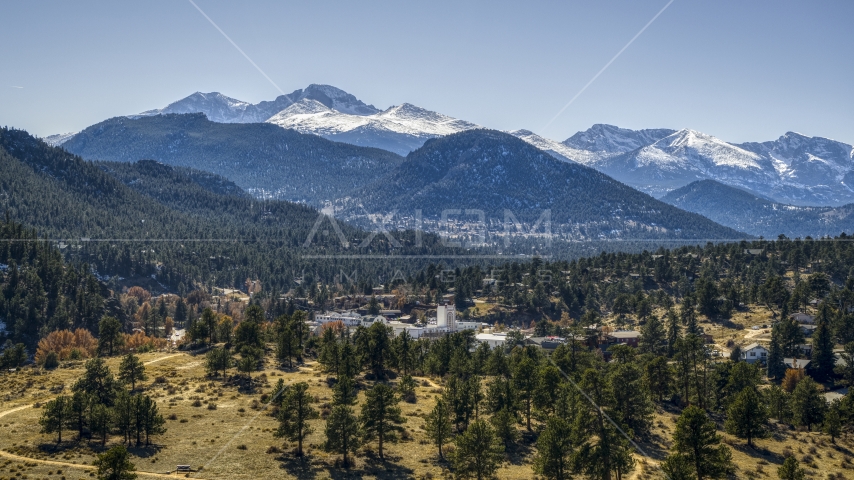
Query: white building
[446, 316]
[350, 319]
[754, 353]
[492, 339]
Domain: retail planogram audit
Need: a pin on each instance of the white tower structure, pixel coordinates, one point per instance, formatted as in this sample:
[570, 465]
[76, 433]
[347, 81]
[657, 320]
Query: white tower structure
[446, 316]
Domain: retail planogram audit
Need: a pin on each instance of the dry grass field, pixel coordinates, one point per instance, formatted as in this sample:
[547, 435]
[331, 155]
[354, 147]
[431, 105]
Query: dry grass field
[233, 440]
[224, 432]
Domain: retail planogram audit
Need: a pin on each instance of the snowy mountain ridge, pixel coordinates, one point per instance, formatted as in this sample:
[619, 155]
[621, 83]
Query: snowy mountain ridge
[793, 169]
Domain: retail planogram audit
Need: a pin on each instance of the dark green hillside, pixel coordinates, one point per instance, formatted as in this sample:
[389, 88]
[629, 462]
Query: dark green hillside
[264, 158]
[40, 293]
[165, 223]
[751, 213]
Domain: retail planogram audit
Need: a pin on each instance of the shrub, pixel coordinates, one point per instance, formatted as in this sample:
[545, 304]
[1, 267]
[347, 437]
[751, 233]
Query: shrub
[51, 360]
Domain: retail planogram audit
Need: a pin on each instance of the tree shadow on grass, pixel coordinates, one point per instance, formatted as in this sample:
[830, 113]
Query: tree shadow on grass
[519, 453]
[144, 451]
[301, 468]
[386, 468]
[654, 445]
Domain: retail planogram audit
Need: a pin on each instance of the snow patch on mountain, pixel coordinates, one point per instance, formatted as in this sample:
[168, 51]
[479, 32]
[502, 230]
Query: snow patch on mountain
[58, 139]
[607, 140]
[556, 149]
[405, 125]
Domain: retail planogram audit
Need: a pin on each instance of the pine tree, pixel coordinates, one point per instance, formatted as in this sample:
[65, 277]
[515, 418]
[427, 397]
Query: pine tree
[479, 453]
[790, 336]
[55, 416]
[380, 416]
[677, 467]
[132, 370]
[689, 316]
[328, 355]
[109, 335]
[776, 367]
[658, 378]
[98, 381]
[555, 448]
[152, 422]
[115, 464]
[674, 332]
[437, 425]
[344, 391]
[404, 349]
[287, 341]
[100, 421]
[747, 415]
[545, 395]
[79, 418]
[791, 470]
[124, 415]
[456, 395]
[778, 403]
[697, 440]
[504, 422]
[378, 349]
[823, 359]
[653, 337]
[525, 385]
[406, 389]
[833, 421]
[807, 404]
[632, 405]
[218, 360]
[295, 413]
[342, 432]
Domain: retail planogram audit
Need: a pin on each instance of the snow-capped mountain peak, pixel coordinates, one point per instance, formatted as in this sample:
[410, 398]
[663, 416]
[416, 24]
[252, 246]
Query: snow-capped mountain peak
[337, 99]
[701, 148]
[611, 140]
[401, 128]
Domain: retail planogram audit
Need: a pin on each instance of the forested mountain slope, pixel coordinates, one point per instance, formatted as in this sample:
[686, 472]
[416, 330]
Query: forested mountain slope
[163, 222]
[751, 213]
[264, 159]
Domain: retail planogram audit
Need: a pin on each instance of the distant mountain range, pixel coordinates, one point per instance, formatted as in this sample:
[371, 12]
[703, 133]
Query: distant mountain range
[486, 175]
[222, 109]
[757, 215]
[793, 169]
[474, 169]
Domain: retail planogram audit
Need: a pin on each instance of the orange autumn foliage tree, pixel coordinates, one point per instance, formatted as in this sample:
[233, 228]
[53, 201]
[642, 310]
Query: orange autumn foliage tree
[142, 295]
[64, 342]
[792, 378]
[140, 342]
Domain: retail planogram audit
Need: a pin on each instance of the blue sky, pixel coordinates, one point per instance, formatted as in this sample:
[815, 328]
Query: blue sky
[737, 70]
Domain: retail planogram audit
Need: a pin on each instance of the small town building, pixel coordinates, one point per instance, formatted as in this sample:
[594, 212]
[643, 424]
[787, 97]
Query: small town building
[492, 339]
[625, 337]
[801, 317]
[754, 353]
[796, 363]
